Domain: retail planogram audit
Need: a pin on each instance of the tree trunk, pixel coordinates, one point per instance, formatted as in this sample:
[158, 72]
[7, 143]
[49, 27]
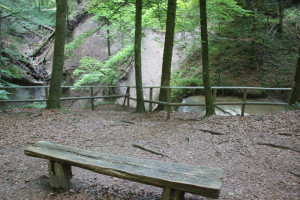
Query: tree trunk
[58, 58]
[253, 63]
[281, 8]
[140, 106]
[108, 40]
[1, 44]
[37, 50]
[295, 94]
[168, 50]
[205, 60]
[34, 1]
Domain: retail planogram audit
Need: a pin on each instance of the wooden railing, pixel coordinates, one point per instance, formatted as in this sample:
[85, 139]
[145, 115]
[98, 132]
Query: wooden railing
[244, 102]
[127, 97]
[46, 88]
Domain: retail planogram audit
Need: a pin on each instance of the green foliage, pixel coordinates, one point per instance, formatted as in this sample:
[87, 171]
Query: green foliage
[295, 106]
[92, 71]
[35, 105]
[4, 94]
[77, 42]
[186, 77]
[9, 68]
[245, 48]
[155, 16]
[89, 65]
[225, 11]
[28, 16]
[13, 72]
[20, 21]
[243, 56]
[119, 14]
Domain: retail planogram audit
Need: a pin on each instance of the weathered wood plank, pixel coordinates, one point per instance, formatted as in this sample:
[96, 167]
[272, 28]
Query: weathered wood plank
[201, 180]
[59, 175]
[171, 194]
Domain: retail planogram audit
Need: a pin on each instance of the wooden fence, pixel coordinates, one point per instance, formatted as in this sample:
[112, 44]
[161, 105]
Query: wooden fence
[151, 100]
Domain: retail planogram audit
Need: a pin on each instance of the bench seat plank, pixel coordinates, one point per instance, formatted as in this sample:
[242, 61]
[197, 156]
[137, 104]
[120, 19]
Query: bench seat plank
[201, 180]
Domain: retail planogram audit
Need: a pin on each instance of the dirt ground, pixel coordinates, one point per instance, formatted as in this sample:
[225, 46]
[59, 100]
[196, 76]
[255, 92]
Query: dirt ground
[250, 170]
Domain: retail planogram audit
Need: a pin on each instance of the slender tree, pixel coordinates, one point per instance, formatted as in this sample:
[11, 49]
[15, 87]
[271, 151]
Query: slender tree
[108, 38]
[58, 58]
[281, 15]
[1, 44]
[140, 107]
[253, 34]
[205, 60]
[168, 50]
[295, 94]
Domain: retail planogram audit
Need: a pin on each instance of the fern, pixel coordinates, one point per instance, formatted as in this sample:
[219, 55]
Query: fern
[4, 94]
[93, 71]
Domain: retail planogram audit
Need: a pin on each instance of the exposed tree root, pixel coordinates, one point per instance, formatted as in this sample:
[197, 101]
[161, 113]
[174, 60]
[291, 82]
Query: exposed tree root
[211, 132]
[128, 122]
[278, 146]
[151, 151]
[223, 142]
[223, 110]
[297, 175]
[214, 145]
[191, 119]
[289, 134]
[37, 50]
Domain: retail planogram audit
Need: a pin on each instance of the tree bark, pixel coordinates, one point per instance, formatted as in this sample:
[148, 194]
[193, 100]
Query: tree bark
[281, 8]
[205, 60]
[168, 50]
[58, 58]
[37, 50]
[34, 1]
[1, 44]
[108, 40]
[140, 106]
[295, 94]
[253, 63]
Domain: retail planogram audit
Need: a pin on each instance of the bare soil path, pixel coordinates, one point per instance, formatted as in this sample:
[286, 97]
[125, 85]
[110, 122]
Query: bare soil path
[250, 170]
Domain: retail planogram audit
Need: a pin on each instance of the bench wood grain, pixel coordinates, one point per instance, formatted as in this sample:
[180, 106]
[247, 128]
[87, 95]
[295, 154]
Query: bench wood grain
[175, 178]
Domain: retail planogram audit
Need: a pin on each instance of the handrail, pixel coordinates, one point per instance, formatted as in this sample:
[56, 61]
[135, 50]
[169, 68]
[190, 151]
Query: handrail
[168, 104]
[213, 87]
[65, 86]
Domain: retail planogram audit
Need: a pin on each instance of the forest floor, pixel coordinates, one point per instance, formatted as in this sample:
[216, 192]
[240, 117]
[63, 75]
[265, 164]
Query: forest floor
[250, 170]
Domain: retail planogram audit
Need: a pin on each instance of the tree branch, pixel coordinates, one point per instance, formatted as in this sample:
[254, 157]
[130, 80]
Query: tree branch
[154, 152]
[278, 146]
[211, 132]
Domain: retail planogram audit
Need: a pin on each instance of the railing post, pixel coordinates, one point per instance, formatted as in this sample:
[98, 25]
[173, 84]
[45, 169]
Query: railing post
[287, 96]
[168, 102]
[150, 98]
[128, 88]
[244, 102]
[214, 95]
[92, 99]
[126, 93]
[46, 93]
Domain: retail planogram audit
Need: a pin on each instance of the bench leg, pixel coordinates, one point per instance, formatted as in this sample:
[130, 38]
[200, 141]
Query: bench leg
[59, 175]
[172, 194]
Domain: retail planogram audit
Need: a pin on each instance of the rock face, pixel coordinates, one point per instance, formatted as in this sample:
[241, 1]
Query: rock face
[152, 57]
[96, 46]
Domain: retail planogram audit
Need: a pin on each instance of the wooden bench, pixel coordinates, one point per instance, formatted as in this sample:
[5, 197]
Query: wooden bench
[175, 178]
